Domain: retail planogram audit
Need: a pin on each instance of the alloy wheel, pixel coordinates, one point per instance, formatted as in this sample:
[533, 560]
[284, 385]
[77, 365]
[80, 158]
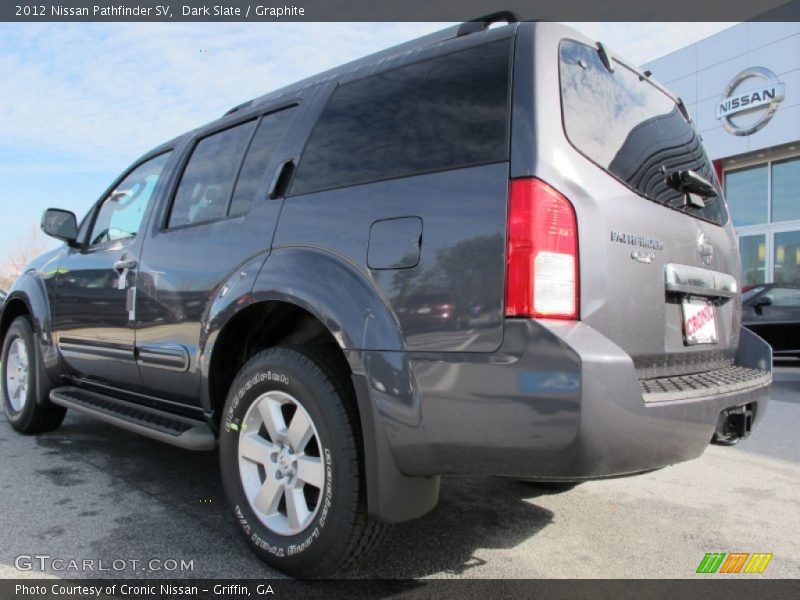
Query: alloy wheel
[280, 463]
[17, 374]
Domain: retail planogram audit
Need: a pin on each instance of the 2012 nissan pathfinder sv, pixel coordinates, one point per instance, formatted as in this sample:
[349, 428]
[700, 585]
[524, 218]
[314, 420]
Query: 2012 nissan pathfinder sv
[491, 250]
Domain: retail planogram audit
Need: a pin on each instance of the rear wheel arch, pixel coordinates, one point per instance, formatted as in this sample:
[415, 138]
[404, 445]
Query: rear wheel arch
[257, 327]
[391, 496]
[300, 295]
[340, 294]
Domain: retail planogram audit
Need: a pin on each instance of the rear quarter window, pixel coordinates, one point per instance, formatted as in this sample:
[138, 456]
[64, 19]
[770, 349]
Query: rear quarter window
[631, 129]
[443, 113]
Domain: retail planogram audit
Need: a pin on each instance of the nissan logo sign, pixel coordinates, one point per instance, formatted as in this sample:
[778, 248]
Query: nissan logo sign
[760, 94]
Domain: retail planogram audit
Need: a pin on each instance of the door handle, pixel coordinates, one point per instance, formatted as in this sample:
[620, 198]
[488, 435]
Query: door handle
[280, 181]
[121, 265]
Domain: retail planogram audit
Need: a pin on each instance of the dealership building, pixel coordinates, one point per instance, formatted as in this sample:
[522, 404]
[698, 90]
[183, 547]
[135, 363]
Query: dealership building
[742, 88]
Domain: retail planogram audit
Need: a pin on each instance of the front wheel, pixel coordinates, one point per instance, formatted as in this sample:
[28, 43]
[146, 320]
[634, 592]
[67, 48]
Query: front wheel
[25, 396]
[289, 454]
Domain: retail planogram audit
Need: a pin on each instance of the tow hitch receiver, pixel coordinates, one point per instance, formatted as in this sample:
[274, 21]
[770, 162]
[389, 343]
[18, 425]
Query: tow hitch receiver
[733, 425]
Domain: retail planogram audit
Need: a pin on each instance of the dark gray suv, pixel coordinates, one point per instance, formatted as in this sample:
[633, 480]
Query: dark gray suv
[492, 250]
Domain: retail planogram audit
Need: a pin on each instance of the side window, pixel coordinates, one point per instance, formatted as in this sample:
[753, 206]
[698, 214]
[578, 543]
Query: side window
[265, 142]
[121, 213]
[207, 181]
[786, 297]
[443, 113]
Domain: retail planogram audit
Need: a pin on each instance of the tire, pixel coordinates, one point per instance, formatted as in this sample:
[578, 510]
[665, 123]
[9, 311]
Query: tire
[26, 400]
[324, 527]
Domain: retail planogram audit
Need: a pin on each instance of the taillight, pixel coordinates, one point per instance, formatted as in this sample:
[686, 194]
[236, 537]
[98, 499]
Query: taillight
[542, 253]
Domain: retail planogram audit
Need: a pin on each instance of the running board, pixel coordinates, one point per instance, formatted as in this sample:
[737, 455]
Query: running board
[177, 430]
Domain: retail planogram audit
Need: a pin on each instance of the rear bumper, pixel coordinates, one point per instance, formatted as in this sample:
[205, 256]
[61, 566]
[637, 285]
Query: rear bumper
[557, 401]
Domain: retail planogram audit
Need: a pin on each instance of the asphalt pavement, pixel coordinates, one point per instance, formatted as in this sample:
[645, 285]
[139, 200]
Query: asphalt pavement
[92, 492]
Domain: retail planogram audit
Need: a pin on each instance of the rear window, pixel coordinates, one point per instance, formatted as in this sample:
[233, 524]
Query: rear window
[631, 129]
[443, 113]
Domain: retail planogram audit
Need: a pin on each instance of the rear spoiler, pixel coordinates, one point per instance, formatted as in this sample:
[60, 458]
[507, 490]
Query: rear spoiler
[482, 23]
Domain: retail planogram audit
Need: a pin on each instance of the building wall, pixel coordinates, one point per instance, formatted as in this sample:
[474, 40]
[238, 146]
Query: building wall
[761, 171]
[699, 74]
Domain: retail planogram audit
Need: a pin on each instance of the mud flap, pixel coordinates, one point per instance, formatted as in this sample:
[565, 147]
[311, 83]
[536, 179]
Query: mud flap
[391, 496]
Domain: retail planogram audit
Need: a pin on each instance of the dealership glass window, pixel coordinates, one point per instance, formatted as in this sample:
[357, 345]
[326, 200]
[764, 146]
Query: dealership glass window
[787, 257]
[753, 249]
[746, 191]
[764, 202]
[786, 190]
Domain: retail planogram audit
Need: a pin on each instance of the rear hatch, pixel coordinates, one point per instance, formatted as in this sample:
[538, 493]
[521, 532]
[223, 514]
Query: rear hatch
[659, 267]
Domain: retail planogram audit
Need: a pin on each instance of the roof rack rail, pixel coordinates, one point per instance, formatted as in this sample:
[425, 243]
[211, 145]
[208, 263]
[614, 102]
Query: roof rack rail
[482, 23]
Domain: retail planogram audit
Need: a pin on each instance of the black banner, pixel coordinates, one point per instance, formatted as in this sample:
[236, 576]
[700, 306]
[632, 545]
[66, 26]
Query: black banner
[396, 10]
[713, 588]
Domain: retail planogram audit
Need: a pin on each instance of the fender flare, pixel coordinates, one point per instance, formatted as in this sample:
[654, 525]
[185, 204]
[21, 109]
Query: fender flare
[29, 290]
[352, 309]
[346, 302]
[337, 292]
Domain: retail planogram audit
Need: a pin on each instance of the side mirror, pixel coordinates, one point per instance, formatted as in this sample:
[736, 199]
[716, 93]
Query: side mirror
[761, 303]
[60, 224]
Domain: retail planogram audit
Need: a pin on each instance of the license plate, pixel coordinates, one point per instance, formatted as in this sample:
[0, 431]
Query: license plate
[699, 322]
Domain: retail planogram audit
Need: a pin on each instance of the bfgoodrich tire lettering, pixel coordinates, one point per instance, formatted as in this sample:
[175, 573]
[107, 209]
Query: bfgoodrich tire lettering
[25, 396]
[340, 530]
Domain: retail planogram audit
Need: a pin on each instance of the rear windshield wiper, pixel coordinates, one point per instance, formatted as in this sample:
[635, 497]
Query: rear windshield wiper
[693, 185]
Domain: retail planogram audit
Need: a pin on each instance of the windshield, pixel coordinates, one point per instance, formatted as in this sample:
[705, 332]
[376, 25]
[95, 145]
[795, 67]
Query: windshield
[752, 292]
[633, 130]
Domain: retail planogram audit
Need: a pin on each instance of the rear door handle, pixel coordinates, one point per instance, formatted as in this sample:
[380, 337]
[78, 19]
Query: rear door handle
[280, 181]
[121, 265]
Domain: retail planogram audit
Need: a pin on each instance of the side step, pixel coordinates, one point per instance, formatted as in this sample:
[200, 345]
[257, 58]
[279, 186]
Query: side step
[183, 432]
